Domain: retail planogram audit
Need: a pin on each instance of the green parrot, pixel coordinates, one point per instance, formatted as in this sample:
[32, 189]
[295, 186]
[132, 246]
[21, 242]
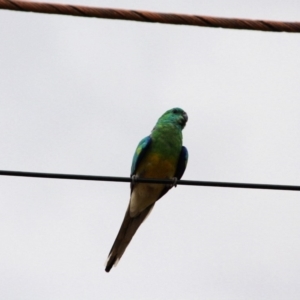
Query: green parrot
[159, 155]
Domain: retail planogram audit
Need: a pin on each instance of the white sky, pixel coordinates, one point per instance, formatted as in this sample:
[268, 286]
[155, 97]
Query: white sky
[78, 94]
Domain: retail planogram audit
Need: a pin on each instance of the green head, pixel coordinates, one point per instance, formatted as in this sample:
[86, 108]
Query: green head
[175, 115]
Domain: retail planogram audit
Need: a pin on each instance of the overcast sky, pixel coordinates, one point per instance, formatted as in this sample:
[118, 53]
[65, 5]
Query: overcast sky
[78, 94]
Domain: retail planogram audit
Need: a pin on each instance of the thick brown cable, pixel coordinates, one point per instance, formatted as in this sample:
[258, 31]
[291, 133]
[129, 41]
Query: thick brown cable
[147, 16]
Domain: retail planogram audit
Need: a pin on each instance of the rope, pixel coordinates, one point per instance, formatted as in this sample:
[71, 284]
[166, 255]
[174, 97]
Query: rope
[147, 16]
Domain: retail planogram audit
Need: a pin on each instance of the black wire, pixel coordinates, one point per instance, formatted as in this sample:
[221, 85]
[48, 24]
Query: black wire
[161, 181]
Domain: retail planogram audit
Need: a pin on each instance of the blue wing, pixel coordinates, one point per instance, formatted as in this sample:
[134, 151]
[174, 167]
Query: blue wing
[139, 153]
[182, 162]
[181, 166]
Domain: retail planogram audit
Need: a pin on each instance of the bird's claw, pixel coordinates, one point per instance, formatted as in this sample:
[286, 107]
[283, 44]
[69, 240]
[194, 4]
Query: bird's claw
[174, 183]
[133, 178]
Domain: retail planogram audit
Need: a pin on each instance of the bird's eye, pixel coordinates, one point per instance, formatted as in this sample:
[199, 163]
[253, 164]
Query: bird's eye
[175, 110]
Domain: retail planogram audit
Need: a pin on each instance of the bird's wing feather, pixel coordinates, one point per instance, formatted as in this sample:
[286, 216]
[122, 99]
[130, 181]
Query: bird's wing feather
[140, 153]
[181, 166]
[182, 162]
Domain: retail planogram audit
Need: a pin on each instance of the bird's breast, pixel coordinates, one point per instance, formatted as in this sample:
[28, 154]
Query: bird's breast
[144, 194]
[156, 166]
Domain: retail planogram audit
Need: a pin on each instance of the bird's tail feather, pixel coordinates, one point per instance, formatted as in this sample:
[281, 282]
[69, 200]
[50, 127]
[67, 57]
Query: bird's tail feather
[128, 229]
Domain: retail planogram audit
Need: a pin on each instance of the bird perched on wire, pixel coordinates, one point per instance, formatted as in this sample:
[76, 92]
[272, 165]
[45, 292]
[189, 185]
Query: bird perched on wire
[159, 155]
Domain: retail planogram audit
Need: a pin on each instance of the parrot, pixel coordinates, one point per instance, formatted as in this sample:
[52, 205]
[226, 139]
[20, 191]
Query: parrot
[160, 155]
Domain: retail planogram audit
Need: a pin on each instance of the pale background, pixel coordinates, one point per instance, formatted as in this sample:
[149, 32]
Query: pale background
[78, 94]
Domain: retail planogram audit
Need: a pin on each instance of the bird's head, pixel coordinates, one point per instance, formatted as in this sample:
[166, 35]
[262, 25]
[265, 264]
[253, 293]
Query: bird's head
[175, 115]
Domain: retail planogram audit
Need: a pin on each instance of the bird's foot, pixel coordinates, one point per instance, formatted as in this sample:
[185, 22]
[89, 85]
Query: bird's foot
[133, 178]
[174, 183]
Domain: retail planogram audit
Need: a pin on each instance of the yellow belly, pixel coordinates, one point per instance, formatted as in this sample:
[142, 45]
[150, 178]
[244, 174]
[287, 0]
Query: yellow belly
[155, 166]
[144, 194]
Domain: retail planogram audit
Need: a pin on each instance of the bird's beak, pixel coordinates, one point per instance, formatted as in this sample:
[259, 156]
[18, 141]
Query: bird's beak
[185, 117]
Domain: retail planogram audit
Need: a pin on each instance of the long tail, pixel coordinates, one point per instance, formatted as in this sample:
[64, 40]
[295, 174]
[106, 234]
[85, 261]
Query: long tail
[128, 229]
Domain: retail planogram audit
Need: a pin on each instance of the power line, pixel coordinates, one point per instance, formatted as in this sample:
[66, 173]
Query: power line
[148, 180]
[148, 16]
